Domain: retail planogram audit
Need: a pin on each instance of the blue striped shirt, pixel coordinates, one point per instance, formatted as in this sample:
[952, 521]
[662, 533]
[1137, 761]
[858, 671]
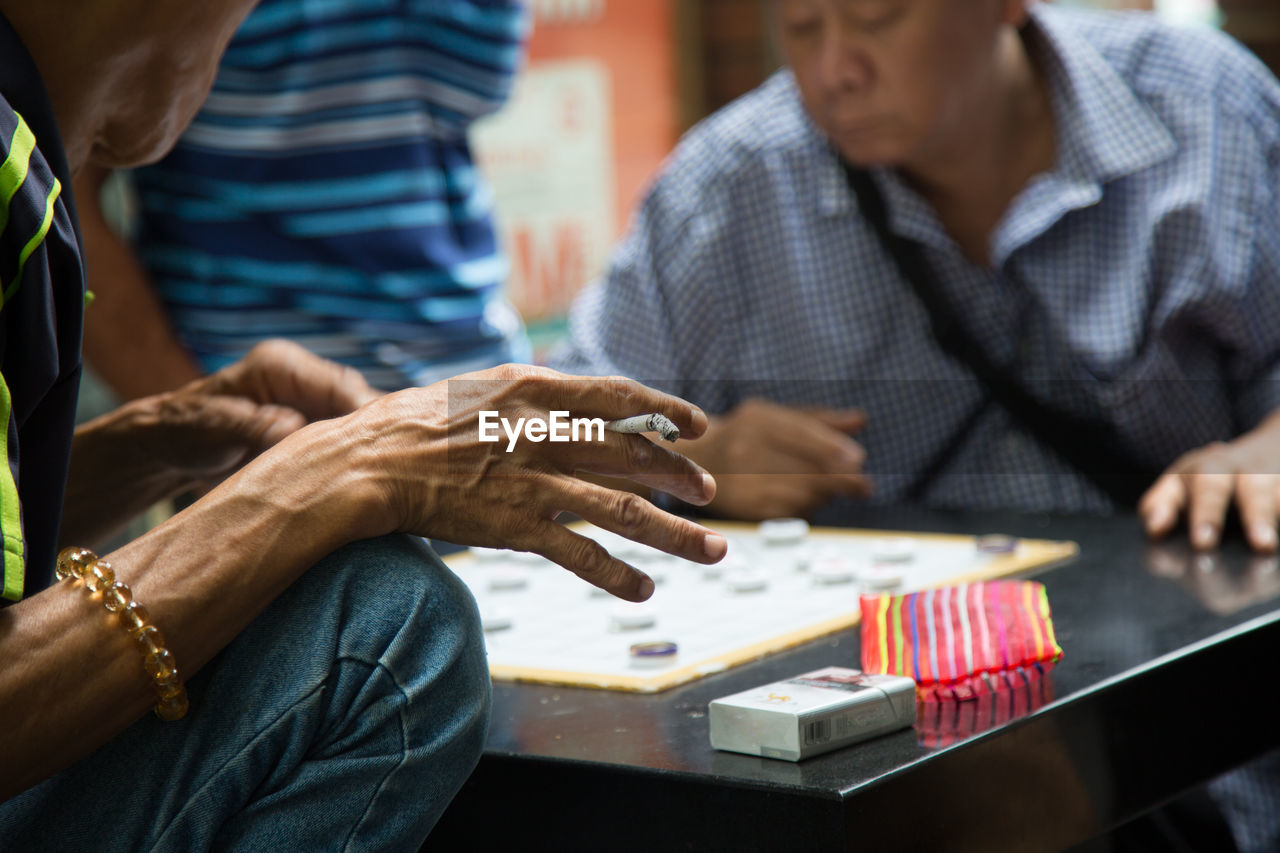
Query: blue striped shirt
[326, 191]
[1137, 283]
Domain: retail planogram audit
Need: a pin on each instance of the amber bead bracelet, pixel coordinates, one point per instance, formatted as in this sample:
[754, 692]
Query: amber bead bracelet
[81, 564]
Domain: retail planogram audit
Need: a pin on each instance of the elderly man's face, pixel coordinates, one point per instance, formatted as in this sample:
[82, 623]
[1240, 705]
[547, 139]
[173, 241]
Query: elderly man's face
[169, 54]
[889, 81]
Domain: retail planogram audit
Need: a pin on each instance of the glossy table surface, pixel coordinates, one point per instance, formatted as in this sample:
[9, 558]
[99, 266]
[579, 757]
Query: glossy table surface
[1157, 692]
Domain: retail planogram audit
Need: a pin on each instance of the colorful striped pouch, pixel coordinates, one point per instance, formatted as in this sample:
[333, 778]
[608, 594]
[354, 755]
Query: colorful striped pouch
[942, 721]
[960, 641]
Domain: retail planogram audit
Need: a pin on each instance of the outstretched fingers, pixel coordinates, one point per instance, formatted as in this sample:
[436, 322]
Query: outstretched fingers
[587, 559]
[634, 517]
[640, 460]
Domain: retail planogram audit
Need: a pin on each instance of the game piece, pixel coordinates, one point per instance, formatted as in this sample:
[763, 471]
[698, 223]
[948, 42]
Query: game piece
[506, 581]
[783, 531]
[653, 654]
[880, 576]
[812, 713]
[897, 550]
[832, 571]
[814, 553]
[631, 617]
[495, 620]
[997, 543]
[746, 580]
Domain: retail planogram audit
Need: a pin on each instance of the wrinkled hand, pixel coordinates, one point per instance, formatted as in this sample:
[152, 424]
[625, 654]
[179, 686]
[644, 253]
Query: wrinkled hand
[441, 481]
[213, 426]
[772, 461]
[1202, 484]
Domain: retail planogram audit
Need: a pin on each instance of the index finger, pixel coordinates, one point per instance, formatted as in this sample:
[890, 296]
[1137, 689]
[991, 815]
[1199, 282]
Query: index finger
[1209, 496]
[842, 420]
[823, 448]
[590, 561]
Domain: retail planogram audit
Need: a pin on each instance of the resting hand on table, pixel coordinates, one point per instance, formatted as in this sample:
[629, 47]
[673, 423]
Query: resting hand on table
[772, 461]
[1202, 485]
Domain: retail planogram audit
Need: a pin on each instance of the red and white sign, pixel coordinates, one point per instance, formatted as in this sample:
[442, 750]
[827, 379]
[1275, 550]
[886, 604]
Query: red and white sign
[588, 125]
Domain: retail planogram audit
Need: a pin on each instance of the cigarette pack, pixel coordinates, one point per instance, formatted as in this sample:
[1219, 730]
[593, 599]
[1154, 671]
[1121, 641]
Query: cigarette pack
[812, 713]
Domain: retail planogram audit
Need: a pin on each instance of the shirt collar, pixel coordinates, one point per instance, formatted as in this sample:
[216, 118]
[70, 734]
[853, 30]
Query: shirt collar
[1104, 131]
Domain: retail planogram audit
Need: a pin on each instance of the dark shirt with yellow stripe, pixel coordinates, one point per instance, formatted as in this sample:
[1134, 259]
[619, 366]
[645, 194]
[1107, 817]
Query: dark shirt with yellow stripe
[41, 312]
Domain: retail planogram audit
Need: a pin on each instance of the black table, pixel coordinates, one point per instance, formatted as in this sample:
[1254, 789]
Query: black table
[1158, 692]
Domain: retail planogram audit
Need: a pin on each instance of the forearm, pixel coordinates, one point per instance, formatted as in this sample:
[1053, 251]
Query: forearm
[128, 339]
[203, 575]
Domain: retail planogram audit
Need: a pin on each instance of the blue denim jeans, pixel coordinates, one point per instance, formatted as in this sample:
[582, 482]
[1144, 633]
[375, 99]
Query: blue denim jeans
[344, 718]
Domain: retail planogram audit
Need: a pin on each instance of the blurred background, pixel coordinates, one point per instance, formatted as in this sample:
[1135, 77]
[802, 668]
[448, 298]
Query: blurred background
[610, 86]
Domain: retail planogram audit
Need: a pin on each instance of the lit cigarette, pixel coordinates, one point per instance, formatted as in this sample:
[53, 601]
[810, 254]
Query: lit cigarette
[660, 424]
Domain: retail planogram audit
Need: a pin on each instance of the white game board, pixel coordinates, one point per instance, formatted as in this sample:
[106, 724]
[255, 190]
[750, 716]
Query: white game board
[544, 624]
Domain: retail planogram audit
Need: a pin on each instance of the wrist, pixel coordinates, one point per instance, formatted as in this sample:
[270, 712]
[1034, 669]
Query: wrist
[324, 480]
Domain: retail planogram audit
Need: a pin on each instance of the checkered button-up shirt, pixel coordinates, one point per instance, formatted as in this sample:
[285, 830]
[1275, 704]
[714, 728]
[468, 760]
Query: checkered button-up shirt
[1137, 283]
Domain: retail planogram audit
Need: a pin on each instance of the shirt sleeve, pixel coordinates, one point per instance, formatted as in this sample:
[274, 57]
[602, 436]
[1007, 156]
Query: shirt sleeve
[621, 323]
[16, 146]
[652, 316]
[1259, 372]
[13, 553]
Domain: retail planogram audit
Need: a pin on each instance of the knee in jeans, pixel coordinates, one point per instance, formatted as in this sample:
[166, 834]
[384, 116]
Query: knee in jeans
[420, 620]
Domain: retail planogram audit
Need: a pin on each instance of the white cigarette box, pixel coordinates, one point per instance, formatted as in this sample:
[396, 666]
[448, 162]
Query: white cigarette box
[812, 713]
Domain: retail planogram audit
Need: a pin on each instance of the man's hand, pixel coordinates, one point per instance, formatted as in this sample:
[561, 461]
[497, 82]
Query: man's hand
[211, 427]
[1203, 483]
[772, 461]
[421, 449]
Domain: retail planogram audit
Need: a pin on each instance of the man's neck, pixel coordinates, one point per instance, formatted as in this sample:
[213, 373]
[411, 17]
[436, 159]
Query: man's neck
[999, 143]
[994, 149]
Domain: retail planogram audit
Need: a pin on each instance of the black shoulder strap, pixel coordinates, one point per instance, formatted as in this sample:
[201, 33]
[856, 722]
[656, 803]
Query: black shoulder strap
[1087, 446]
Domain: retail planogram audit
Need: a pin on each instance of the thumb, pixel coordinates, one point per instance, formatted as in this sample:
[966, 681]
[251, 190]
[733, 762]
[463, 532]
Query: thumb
[841, 420]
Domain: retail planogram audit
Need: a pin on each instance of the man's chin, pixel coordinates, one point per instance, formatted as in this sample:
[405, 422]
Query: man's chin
[116, 153]
[866, 153]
